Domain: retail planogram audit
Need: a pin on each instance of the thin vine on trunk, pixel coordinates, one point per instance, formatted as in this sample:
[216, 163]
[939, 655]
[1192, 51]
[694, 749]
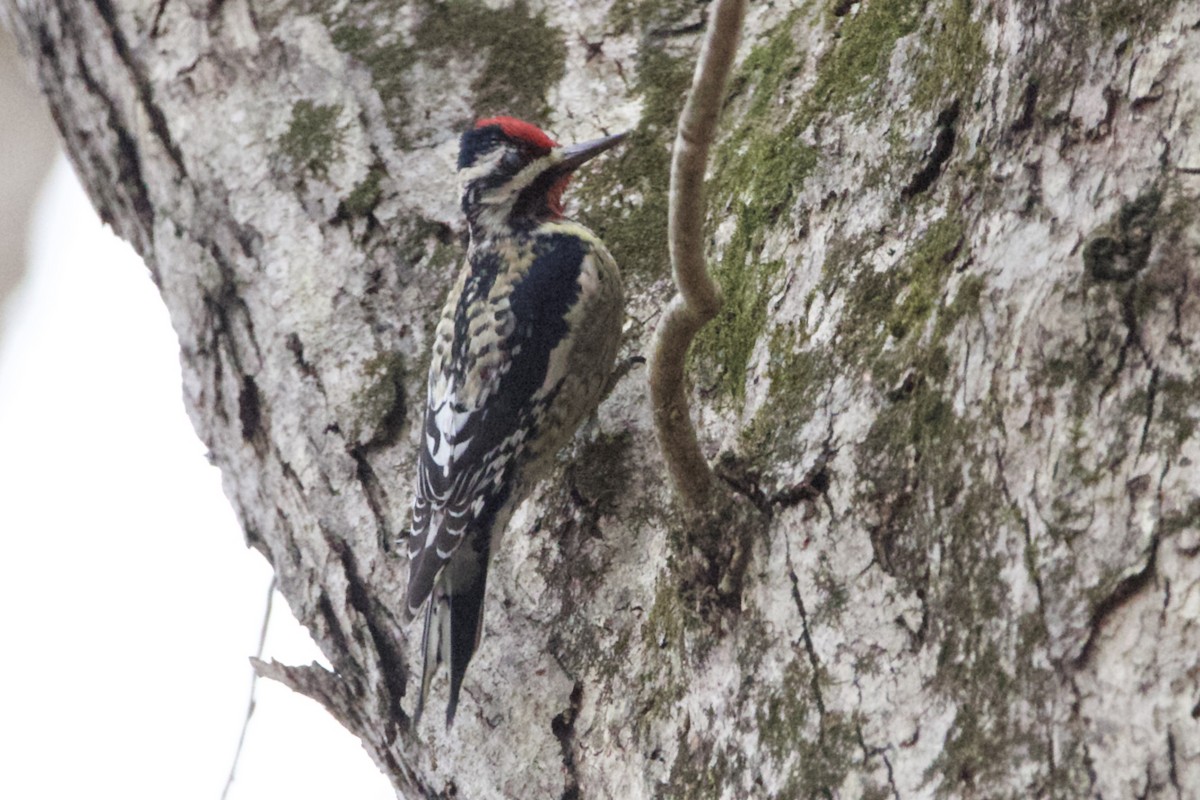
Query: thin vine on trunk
[699, 298]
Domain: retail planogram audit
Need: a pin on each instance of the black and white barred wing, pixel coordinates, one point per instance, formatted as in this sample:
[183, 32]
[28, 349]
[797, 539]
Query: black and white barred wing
[492, 378]
[459, 481]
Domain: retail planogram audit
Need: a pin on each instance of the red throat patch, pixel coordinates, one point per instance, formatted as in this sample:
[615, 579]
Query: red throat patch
[521, 130]
[554, 196]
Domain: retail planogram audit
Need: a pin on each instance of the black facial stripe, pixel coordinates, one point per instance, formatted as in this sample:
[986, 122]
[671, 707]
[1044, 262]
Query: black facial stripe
[531, 202]
[478, 141]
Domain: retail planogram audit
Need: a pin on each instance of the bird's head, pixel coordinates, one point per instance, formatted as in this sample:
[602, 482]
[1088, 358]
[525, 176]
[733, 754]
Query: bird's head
[513, 174]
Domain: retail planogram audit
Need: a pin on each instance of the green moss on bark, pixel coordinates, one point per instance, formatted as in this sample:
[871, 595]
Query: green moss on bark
[522, 56]
[954, 56]
[757, 172]
[525, 57]
[650, 16]
[782, 717]
[1058, 58]
[761, 165]
[798, 373]
[365, 196]
[887, 310]
[855, 66]
[1120, 287]
[380, 405]
[313, 138]
[625, 203]
[1115, 18]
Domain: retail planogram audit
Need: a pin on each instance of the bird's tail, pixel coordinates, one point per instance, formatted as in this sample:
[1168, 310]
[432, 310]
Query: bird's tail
[453, 626]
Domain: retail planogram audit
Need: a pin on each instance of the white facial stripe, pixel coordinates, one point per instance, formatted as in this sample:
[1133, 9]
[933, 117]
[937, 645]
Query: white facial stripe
[504, 194]
[481, 167]
[522, 179]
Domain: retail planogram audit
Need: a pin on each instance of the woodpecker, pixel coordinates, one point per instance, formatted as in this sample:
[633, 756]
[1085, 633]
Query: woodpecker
[522, 354]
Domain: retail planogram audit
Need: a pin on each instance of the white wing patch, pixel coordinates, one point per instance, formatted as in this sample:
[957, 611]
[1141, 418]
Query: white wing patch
[450, 422]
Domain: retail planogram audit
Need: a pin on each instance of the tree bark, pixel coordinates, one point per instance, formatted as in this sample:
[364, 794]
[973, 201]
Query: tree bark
[956, 373]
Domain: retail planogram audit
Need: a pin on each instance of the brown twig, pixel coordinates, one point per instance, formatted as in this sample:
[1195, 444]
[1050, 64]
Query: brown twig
[699, 299]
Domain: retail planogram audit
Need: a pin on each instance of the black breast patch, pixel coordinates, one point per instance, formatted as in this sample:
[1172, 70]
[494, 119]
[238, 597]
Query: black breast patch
[540, 303]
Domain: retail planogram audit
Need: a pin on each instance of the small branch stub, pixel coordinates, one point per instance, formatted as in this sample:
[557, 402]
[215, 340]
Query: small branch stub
[698, 300]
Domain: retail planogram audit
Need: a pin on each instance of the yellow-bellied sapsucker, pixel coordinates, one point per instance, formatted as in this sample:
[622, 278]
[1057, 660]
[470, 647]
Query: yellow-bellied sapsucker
[522, 354]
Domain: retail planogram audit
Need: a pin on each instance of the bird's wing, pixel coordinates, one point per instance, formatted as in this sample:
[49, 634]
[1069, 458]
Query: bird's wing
[501, 365]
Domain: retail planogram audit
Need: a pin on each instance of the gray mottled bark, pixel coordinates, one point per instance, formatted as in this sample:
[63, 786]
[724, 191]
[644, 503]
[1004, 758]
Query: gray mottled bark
[955, 372]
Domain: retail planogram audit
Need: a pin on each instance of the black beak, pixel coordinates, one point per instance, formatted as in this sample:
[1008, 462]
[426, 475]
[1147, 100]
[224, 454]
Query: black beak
[576, 155]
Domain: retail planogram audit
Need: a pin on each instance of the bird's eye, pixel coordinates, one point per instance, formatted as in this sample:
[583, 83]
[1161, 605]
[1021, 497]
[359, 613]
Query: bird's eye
[513, 159]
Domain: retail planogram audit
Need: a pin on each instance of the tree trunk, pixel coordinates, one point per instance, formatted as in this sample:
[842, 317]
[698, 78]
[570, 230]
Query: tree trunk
[956, 375]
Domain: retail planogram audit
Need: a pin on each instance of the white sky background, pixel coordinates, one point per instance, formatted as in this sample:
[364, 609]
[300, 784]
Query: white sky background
[129, 602]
